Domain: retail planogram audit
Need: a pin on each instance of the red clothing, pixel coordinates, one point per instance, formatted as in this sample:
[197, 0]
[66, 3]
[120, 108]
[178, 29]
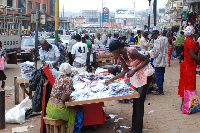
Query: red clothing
[187, 69]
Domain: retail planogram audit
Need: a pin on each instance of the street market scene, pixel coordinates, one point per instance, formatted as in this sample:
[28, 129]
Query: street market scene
[99, 66]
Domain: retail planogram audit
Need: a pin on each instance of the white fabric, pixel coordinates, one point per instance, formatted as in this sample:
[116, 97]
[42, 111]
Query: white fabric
[80, 50]
[160, 52]
[189, 30]
[97, 41]
[65, 68]
[109, 40]
[71, 43]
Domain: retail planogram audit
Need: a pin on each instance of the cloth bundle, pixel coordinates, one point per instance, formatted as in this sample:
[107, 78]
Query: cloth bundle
[27, 68]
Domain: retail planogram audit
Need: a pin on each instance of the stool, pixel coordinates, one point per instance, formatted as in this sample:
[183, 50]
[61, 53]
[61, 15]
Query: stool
[55, 123]
[23, 83]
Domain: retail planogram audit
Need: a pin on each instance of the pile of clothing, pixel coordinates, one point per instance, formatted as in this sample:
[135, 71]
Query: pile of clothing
[27, 68]
[92, 86]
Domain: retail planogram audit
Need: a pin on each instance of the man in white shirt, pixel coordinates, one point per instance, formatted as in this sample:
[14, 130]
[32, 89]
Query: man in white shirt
[110, 38]
[79, 53]
[160, 55]
[69, 49]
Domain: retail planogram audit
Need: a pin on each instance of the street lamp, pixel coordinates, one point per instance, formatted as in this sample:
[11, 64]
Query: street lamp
[149, 15]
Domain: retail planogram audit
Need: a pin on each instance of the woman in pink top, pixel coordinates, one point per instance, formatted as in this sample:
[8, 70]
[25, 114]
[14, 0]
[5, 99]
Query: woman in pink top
[140, 77]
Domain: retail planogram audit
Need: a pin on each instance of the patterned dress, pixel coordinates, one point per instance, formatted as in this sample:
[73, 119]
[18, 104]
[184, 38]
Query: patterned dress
[56, 108]
[62, 53]
[187, 68]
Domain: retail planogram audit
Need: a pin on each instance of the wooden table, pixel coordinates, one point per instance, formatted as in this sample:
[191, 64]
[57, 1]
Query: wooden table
[74, 103]
[24, 83]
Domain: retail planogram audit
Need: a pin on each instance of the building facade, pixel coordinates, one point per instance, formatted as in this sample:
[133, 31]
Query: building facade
[91, 15]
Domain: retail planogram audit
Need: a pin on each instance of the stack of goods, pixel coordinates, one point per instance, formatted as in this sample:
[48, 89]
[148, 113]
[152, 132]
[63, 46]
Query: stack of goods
[100, 48]
[91, 86]
[27, 68]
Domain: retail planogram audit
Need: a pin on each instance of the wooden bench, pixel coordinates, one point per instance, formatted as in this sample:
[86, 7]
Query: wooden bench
[58, 125]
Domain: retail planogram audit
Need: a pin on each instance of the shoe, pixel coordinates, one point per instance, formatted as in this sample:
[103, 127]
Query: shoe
[157, 93]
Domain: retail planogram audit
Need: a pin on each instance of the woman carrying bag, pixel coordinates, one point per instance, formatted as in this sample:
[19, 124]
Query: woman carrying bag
[2, 65]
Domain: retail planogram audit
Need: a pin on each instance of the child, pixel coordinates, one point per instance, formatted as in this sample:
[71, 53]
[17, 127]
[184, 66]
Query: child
[2, 74]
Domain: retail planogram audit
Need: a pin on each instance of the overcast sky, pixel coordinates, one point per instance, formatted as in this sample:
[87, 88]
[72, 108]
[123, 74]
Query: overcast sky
[78, 5]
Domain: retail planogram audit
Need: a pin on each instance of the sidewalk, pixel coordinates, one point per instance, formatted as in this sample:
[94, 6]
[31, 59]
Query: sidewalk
[162, 112]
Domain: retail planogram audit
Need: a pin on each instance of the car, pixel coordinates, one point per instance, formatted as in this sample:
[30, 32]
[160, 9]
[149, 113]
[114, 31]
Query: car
[27, 49]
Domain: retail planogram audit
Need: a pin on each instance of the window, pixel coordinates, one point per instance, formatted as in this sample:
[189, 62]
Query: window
[30, 5]
[9, 3]
[44, 7]
[37, 6]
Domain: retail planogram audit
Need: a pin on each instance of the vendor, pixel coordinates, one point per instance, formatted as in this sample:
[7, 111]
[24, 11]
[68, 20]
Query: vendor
[49, 53]
[140, 78]
[60, 93]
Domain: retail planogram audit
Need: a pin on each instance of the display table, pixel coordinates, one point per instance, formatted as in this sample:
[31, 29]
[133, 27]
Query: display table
[24, 84]
[93, 109]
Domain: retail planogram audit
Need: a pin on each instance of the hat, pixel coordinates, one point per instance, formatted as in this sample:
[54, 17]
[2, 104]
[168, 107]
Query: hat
[114, 45]
[98, 34]
[189, 30]
[123, 37]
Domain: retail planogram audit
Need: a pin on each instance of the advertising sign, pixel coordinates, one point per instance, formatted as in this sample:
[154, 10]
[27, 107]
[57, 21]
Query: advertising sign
[105, 14]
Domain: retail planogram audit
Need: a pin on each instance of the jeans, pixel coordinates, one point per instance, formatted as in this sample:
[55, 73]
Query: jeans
[138, 107]
[94, 60]
[159, 76]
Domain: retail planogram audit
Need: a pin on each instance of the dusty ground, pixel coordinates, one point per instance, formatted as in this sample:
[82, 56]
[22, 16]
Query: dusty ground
[162, 113]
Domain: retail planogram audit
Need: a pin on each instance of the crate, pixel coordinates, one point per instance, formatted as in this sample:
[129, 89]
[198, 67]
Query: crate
[106, 59]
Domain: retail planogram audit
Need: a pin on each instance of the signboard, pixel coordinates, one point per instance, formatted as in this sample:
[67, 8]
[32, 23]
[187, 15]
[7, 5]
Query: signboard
[105, 14]
[124, 13]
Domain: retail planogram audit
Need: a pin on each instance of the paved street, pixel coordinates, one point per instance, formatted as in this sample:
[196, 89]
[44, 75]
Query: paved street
[162, 113]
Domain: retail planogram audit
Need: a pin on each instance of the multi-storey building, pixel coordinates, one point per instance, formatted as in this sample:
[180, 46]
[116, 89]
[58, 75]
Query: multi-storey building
[91, 15]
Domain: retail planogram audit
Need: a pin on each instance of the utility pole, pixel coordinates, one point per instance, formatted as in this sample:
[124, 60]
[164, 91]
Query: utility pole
[155, 11]
[149, 15]
[36, 36]
[56, 21]
[2, 109]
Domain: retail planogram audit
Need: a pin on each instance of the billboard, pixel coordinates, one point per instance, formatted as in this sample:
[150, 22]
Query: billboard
[125, 13]
[105, 15]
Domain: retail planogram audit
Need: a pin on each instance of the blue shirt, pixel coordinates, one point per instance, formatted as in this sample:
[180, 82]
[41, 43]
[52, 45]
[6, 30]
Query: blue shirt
[50, 55]
[132, 39]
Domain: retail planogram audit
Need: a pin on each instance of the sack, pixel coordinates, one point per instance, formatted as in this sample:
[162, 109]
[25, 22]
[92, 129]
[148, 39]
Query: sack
[190, 103]
[2, 63]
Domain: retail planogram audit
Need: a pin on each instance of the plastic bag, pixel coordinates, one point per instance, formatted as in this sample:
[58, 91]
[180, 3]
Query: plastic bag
[17, 114]
[190, 103]
[2, 63]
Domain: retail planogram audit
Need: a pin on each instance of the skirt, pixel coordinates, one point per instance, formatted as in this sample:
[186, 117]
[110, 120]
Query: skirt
[2, 75]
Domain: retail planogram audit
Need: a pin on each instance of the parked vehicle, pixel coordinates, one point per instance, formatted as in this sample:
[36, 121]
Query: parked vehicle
[28, 49]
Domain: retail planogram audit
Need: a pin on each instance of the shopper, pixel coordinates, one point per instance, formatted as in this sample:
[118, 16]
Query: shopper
[188, 66]
[144, 43]
[138, 37]
[170, 49]
[2, 74]
[160, 51]
[62, 51]
[60, 94]
[79, 52]
[140, 78]
[98, 40]
[69, 49]
[132, 39]
[179, 43]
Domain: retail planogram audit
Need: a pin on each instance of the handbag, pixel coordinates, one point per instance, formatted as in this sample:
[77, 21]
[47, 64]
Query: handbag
[190, 103]
[2, 63]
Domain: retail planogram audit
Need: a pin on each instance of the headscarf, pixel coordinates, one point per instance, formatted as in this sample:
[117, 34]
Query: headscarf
[98, 34]
[65, 68]
[189, 30]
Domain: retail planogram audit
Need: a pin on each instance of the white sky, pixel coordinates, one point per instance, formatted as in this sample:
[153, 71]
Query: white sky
[78, 5]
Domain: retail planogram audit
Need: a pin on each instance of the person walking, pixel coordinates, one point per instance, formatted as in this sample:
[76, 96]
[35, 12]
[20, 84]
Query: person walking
[160, 51]
[69, 49]
[187, 79]
[140, 78]
[170, 49]
[179, 43]
[2, 74]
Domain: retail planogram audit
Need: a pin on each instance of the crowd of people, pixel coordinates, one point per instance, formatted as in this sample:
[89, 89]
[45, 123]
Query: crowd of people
[161, 46]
